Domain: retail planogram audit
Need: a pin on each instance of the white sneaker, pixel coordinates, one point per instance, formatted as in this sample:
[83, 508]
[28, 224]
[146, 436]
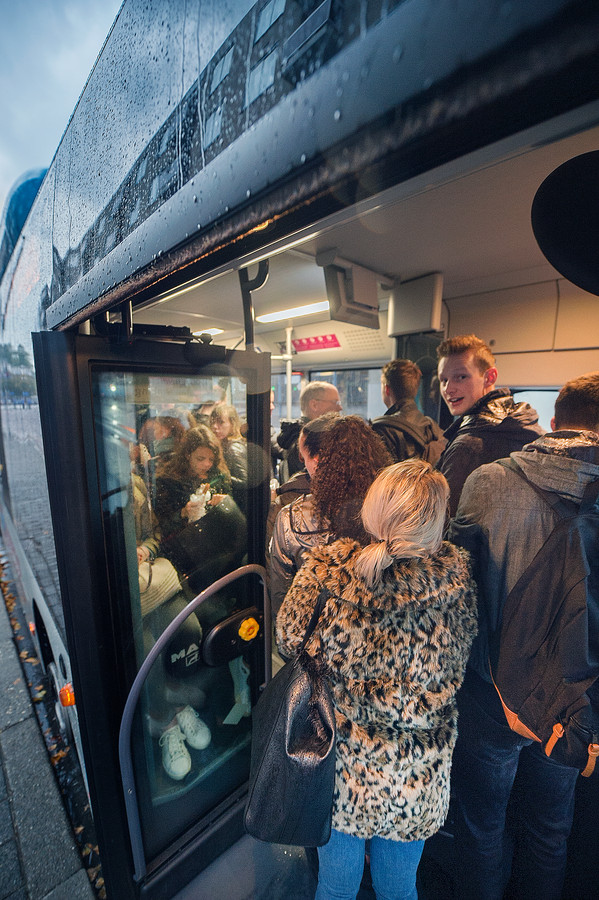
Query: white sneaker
[197, 733]
[175, 758]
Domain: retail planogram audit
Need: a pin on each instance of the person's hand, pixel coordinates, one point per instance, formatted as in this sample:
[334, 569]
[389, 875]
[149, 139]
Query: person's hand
[143, 555]
[216, 499]
[193, 509]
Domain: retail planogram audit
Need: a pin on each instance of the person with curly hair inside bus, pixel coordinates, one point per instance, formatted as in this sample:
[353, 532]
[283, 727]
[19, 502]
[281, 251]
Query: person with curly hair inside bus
[343, 456]
[386, 640]
[195, 476]
[204, 533]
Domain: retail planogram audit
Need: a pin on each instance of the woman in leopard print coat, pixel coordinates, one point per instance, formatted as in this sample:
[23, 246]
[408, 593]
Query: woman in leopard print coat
[394, 636]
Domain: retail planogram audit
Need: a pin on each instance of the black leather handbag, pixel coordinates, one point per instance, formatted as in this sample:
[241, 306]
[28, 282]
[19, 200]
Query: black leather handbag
[207, 549]
[292, 770]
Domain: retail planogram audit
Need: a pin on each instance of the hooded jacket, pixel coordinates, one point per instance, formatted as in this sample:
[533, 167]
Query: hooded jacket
[504, 523]
[492, 429]
[393, 664]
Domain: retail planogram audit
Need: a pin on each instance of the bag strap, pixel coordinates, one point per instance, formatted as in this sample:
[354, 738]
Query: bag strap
[320, 603]
[563, 508]
[590, 497]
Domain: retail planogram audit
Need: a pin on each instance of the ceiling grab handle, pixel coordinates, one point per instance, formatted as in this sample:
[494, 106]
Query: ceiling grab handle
[125, 755]
[247, 286]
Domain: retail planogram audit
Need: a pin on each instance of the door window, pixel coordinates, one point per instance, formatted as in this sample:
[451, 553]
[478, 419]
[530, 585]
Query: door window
[176, 477]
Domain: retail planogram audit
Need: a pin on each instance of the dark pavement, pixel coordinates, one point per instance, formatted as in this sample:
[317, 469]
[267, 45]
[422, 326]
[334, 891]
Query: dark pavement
[39, 857]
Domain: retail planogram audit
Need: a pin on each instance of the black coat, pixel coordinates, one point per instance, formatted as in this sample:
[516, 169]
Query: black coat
[492, 429]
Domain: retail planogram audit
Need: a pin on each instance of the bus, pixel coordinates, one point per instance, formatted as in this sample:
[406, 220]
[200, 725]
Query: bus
[249, 196]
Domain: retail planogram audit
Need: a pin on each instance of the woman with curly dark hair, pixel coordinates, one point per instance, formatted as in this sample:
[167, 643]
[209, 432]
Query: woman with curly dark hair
[343, 456]
[195, 476]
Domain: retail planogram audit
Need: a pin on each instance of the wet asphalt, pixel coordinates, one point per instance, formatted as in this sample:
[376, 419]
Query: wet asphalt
[39, 855]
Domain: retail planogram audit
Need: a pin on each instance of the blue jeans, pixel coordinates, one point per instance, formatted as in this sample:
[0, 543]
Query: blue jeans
[393, 866]
[492, 768]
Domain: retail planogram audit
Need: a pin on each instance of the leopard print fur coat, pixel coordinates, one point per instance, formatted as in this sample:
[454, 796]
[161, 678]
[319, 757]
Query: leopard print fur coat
[395, 656]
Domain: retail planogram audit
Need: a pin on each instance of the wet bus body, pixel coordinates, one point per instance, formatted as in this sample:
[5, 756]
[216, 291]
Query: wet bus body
[227, 166]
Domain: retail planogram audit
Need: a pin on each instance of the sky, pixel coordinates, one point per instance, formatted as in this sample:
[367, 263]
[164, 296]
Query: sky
[47, 50]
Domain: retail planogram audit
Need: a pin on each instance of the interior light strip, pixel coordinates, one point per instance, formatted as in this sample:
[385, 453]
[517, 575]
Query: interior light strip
[321, 306]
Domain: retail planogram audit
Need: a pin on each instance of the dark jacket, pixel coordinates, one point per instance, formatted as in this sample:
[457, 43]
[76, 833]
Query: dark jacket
[406, 432]
[503, 522]
[287, 439]
[236, 458]
[492, 429]
[172, 494]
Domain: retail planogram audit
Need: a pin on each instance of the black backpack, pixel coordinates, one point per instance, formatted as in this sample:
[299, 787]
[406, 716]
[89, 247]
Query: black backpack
[428, 439]
[544, 657]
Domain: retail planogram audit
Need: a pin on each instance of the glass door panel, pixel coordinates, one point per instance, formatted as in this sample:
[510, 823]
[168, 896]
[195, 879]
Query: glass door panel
[174, 514]
[149, 507]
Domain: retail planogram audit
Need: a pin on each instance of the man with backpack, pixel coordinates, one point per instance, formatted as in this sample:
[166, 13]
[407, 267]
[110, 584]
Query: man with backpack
[505, 516]
[403, 428]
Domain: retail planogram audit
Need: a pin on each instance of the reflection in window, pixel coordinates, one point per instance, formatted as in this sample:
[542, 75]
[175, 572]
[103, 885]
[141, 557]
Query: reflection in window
[165, 139]
[142, 170]
[163, 181]
[359, 389]
[171, 517]
[269, 14]
[261, 77]
[135, 212]
[221, 69]
[213, 126]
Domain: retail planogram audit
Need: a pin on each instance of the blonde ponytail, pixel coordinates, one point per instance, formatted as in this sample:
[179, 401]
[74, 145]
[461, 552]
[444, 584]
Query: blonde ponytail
[404, 510]
[373, 560]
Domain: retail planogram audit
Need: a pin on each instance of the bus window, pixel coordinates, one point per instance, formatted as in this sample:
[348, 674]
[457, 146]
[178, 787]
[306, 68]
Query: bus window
[542, 401]
[359, 389]
[279, 382]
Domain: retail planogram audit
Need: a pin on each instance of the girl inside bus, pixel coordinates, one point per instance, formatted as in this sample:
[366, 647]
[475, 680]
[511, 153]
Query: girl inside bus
[172, 685]
[226, 425]
[387, 640]
[204, 533]
[342, 456]
[195, 476]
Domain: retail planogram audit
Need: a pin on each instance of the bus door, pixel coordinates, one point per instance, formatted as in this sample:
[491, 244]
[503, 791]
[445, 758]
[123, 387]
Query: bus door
[142, 526]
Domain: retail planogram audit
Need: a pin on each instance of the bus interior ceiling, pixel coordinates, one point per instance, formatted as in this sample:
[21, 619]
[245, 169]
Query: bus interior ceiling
[468, 220]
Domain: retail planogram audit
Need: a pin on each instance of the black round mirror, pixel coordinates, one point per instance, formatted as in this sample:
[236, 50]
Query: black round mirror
[565, 220]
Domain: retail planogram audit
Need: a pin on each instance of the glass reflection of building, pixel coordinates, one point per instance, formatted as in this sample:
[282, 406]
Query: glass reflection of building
[273, 49]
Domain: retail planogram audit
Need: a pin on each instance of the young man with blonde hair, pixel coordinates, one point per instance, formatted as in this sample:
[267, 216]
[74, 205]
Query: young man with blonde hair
[488, 424]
